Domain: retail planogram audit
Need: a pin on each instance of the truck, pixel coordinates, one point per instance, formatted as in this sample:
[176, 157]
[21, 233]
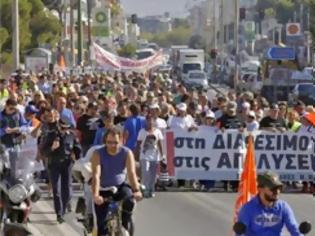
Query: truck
[280, 76]
[190, 59]
[174, 53]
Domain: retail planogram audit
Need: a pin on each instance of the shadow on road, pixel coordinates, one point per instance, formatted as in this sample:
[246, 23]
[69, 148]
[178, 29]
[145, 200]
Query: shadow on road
[44, 222]
[43, 212]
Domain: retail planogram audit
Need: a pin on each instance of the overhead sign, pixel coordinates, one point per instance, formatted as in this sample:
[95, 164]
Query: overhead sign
[279, 53]
[293, 29]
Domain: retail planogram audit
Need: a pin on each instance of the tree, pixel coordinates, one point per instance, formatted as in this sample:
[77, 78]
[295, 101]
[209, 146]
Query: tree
[127, 51]
[4, 35]
[197, 42]
[37, 26]
[179, 22]
[311, 5]
[284, 9]
[178, 36]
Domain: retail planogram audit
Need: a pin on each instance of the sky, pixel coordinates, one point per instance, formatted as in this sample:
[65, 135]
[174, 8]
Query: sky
[177, 8]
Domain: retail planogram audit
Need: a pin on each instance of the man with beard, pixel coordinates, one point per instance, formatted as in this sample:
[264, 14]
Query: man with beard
[266, 214]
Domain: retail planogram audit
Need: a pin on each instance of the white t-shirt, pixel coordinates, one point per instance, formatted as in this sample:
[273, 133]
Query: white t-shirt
[160, 123]
[181, 122]
[149, 144]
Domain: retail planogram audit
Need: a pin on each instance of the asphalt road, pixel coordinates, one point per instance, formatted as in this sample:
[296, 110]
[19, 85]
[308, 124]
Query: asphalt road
[172, 214]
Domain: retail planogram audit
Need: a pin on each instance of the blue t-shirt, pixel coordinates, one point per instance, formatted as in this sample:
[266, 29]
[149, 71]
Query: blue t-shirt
[99, 135]
[133, 125]
[268, 221]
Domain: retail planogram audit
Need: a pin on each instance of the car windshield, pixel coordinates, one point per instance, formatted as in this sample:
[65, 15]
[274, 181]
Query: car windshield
[143, 55]
[197, 75]
[189, 67]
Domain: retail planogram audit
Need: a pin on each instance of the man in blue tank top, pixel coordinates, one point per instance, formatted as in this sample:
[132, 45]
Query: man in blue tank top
[111, 165]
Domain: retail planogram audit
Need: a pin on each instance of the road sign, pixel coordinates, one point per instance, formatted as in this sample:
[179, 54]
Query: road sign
[279, 53]
[293, 29]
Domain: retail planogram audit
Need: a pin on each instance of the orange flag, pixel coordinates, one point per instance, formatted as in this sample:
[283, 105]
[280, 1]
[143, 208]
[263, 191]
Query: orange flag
[248, 183]
[62, 63]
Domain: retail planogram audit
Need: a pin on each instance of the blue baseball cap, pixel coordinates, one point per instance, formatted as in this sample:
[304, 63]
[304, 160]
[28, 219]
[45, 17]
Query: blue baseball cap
[31, 109]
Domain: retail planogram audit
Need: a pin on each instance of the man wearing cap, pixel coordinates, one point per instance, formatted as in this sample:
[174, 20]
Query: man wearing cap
[265, 214]
[33, 124]
[251, 122]
[182, 120]
[273, 122]
[60, 146]
[159, 123]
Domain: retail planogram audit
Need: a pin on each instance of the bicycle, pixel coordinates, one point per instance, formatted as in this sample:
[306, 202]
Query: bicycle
[113, 219]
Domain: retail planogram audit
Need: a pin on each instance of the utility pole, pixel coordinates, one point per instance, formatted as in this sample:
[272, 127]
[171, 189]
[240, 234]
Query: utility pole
[222, 25]
[89, 11]
[80, 34]
[72, 33]
[214, 25]
[237, 18]
[16, 34]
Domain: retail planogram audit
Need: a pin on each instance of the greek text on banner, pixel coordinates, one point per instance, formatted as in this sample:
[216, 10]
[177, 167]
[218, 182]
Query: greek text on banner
[207, 154]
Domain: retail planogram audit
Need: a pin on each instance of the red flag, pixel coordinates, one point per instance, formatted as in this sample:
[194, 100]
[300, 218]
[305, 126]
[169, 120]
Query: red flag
[248, 183]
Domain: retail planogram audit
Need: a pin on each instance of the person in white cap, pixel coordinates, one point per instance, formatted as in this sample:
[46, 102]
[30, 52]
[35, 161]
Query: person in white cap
[245, 109]
[251, 122]
[209, 126]
[181, 120]
[208, 120]
[159, 123]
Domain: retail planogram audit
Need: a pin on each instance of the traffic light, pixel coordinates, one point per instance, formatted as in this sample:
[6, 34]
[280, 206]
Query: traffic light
[134, 18]
[213, 53]
[261, 14]
[242, 13]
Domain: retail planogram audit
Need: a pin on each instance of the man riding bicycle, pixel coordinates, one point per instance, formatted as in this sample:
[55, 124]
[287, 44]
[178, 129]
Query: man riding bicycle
[110, 164]
[266, 214]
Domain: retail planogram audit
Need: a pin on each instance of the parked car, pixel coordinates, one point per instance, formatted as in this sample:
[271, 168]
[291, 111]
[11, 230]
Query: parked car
[305, 92]
[196, 79]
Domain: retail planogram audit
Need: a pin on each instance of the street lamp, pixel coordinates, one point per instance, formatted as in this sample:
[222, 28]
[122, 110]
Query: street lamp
[16, 36]
[80, 34]
[237, 18]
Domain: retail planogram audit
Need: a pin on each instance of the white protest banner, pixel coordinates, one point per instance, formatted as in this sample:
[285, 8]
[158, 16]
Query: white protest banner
[110, 60]
[206, 154]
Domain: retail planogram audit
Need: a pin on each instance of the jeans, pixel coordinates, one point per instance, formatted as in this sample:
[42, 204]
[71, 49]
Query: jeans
[124, 194]
[61, 180]
[88, 199]
[148, 174]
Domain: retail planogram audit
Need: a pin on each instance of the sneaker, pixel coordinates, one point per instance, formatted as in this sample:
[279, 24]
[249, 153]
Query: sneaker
[50, 195]
[88, 224]
[60, 219]
[146, 194]
[69, 207]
